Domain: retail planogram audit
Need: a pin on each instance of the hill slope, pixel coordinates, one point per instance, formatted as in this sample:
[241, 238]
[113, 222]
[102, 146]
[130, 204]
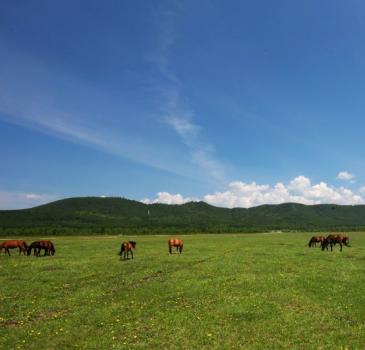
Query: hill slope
[115, 215]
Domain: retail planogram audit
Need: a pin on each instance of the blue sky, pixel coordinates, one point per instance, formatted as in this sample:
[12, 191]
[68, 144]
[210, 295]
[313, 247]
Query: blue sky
[236, 103]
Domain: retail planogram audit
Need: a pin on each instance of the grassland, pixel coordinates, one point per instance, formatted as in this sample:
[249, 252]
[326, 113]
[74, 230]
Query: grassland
[261, 291]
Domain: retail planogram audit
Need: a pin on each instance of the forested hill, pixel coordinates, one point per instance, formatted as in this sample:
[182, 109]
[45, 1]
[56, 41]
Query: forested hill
[119, 215]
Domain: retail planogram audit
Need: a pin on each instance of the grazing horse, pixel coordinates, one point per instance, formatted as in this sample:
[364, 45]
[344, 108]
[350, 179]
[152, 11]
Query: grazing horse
[332, 240]
[37, 246]
[178, 243]
[14, 244]
[314, 240]
[127, 247]
[48, 247]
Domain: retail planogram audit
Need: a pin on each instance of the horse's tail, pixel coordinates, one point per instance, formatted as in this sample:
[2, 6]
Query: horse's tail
[310, 243]
[25, 247]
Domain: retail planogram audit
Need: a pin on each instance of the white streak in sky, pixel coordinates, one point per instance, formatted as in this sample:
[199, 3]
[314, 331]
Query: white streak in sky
[176, 114]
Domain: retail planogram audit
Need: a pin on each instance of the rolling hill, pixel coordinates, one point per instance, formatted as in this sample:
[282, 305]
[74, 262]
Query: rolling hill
[119, 215]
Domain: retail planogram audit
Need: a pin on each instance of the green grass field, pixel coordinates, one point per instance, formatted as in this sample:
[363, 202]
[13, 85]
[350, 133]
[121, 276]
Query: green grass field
[258, 291]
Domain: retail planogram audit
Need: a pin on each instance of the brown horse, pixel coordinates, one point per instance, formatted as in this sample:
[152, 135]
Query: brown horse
[14, 244]
[37, 246]
[314, 240]
[127, 247]
[178, 243]
[332, 240]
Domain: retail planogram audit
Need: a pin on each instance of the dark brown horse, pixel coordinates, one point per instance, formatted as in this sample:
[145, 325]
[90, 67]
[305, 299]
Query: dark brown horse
[314, 240]
[178, 243]
[14, 244]
[37, 246]
[127, 247]
[332, 240]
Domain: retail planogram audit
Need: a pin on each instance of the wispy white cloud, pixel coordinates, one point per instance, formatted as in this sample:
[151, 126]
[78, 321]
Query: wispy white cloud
[183, 126]
[176, 112]
[345, 175]
[29, 97]
[299, 190]
[19, 200]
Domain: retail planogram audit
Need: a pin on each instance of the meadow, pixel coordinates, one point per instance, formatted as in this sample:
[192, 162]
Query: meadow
[231, 291]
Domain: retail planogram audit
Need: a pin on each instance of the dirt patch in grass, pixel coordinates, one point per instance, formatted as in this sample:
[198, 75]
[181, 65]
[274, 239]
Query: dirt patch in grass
[52, 268]
[146, 279]
[46, 315]
[9, 323]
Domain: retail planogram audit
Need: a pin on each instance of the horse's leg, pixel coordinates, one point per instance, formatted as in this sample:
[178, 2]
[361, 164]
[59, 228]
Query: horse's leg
[7, 250]
[340, 247]
[132, 253]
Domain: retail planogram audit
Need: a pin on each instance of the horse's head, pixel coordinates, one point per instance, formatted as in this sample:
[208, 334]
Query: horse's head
[346, 241]
[29, 250]
[324, 243]
[133, 243]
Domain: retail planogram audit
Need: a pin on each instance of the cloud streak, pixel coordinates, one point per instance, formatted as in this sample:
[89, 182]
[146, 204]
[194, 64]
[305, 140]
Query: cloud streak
[29, 97]
[19, 200]
[177, 115]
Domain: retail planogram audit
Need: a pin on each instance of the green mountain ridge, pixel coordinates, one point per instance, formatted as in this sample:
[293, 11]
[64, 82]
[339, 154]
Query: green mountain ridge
[119, 215]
